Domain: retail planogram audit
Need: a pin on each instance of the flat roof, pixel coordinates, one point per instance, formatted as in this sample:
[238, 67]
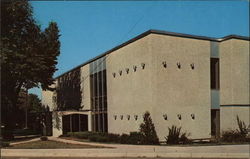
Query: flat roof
[153, 31]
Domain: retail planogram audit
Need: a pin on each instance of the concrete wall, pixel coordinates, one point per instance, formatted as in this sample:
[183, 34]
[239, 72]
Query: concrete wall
[129, 94]
[183, 91]
[234, 78]
[228, 116]
[161, 90]
[234, 72]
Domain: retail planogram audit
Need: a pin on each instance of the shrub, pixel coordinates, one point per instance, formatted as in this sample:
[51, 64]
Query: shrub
[135, 138]
[124, 138]
[98, 138]
[233, 136]
[5, 144]
[114, 138]
[24, 132]
[242, 126]
[147, 130]
[184, 139]
[236, 135]
[44, 138]
[7, 134]
[173, 135]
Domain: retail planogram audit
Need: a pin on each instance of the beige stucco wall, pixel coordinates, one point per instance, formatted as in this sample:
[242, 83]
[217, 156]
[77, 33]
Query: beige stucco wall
[234, 72]
[234, 78]
[182, 91]
[129, 94]
[229, 114]
[161, 90]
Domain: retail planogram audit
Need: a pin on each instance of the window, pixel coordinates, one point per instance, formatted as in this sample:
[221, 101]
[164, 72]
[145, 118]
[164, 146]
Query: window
[215, 73]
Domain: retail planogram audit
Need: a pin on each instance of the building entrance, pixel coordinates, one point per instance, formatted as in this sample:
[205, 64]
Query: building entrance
[74, 123]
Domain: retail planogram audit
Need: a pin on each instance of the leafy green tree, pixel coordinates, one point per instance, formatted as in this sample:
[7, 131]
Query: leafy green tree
[28, 54]
[147, 129]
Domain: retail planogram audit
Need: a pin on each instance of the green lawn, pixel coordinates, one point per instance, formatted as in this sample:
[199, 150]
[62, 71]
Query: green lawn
[50, 145]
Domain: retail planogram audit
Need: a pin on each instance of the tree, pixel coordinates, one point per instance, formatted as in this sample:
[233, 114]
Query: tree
[147, 129]
[28, 54]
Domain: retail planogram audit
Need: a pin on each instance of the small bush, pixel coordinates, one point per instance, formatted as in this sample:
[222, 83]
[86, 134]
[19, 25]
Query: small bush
[135, 138]
[238, 135]
[44, 138]
[24, 132]
[242, 126]
[176, 137]
[114, 138]
[184, 139]
[5, 144]
[233, 136]
[81, 135]
[173, 135]
[7, 134]
[98, 138]
[124, 139]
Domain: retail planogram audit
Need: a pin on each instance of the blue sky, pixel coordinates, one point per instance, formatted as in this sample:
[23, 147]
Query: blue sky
[89, 28]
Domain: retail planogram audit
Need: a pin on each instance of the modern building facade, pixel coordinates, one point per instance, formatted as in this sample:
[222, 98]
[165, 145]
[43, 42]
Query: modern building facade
[196, 82]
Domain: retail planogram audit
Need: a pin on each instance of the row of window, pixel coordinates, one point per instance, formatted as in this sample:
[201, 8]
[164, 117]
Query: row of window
[135, 117]
[127, 70]
[164, 64]
[178, 64]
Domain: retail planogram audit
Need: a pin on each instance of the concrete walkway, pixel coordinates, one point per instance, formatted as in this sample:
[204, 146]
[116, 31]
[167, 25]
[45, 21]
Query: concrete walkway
[119, 150]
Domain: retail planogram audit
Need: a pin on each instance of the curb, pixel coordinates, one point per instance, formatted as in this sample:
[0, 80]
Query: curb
[81, 153]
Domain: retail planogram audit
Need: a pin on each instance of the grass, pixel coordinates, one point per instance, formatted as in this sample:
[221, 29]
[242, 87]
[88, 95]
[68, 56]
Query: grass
[51, 145]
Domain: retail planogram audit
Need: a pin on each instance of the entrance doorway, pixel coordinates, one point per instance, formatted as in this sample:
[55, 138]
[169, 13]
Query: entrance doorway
[74, 123]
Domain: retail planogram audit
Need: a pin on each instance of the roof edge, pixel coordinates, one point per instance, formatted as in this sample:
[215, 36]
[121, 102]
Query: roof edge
[161, 32]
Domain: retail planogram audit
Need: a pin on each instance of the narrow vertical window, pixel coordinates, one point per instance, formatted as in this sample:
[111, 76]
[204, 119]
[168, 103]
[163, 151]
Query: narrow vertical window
[215, 73]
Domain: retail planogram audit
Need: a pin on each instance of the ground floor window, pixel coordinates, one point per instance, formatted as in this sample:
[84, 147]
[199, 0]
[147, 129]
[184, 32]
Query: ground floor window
[74, 123]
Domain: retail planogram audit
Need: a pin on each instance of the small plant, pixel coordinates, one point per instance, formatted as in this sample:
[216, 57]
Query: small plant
[147, 129]
[173, 135]
[98, 138]
[114, 138]
[242, 126]
[176, 137]
[5, 144]
[184, 139]
[232, 136]
[238, 135]
[44, 138]
[135, 138]
[124, 138]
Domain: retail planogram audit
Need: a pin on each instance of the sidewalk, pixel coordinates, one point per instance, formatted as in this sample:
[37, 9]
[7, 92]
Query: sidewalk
[118, 150]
